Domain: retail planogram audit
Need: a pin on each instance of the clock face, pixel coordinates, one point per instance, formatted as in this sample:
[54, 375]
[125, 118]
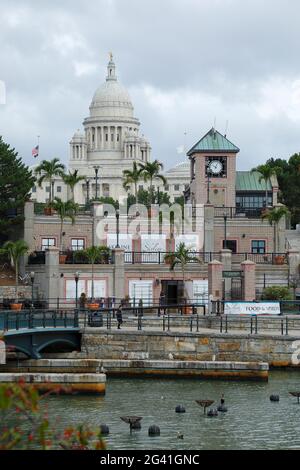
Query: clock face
[215, 167]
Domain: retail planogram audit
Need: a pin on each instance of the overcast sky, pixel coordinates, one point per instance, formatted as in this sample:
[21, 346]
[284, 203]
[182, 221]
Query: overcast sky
[186, 64]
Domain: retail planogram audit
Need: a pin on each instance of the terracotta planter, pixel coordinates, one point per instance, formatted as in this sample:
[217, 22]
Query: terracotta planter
[16, 307]
[93, 306]
[279, 259]
[62, 259]
[48, 211]
[187, 310]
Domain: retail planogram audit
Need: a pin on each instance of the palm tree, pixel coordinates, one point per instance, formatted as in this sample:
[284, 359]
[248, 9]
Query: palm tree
[265, 174]
[132, 177]
[15, 250]
[46, 171]
[93, 253]
[182, 256]
[71, 179]
[151, 172]
[65, 210]
[274, 216]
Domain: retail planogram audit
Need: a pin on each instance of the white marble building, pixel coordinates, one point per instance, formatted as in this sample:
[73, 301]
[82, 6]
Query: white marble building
[111, 142]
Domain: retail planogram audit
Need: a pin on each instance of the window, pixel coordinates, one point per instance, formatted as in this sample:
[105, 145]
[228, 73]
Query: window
[58, 189]
[176, 187]
[47, 189]
[141, 187]
[112, 137]
[141, 290]
[166, 187]
[258, 246]
[230, 245]
[77, 244]
[105, 189]
[106, 137]
[34, 189]
[46, 242]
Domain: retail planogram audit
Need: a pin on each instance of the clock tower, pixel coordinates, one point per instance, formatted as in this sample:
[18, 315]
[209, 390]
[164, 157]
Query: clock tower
[213, 170]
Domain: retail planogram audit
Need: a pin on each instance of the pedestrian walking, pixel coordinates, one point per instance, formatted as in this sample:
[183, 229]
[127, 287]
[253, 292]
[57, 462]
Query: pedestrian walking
[119, 317]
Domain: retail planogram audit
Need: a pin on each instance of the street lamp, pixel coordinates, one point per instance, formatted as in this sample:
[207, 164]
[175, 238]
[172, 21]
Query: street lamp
[32, 282]
[225, 216]
[96, 168]
[118, 227]
[87, 191]
[76, 276]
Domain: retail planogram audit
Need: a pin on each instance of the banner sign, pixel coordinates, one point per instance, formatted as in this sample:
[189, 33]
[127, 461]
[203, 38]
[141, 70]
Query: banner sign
[252, 308]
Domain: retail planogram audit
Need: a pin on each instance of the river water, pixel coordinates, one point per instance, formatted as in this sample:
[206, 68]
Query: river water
[252, 420]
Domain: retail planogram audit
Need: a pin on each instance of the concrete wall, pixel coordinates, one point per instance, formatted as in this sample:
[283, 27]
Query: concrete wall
[276, 350]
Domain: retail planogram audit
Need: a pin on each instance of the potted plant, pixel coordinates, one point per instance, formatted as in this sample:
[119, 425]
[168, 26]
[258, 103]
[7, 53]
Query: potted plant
[105, 252]
[279, 259]
[15, 250]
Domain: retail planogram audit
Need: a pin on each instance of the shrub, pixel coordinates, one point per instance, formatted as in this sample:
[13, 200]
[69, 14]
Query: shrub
[24, 424]
[276, 293]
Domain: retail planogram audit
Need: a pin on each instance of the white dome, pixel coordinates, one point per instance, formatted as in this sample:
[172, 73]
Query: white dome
[111, 98]
[111, 93]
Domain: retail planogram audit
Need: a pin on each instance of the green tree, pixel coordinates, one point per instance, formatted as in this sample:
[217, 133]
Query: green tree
[132, 177]
[288, 175]
[71, 179]
[47, 170]
[274, 216]
[15, 250]
[151, 172]
[16, 182]
[65, 210]
[182, 256]
[265, 174]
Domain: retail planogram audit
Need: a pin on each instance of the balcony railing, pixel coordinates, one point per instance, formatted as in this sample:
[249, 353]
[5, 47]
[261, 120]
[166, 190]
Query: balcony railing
[239, 212]
[261, 258]
[159, 257]
[39, 209]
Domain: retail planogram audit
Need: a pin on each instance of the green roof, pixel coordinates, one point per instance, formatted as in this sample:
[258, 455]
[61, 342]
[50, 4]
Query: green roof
[248, 181]
[213, 141]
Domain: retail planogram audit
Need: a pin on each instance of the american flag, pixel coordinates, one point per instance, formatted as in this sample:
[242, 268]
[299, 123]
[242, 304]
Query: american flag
[35, 151]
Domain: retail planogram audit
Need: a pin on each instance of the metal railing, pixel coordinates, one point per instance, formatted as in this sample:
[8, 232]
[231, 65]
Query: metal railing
[261, 258]
[30, 319]
[239, 212]
[159, 257]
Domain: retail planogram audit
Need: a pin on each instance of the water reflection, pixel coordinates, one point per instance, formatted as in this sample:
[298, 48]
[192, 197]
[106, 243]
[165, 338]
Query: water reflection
[252, 420]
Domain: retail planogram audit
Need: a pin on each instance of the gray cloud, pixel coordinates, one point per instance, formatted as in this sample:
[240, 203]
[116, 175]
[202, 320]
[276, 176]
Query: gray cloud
[185, 63]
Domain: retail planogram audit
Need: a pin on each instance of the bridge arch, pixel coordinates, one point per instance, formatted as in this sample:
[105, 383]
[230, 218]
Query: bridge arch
[57, 341]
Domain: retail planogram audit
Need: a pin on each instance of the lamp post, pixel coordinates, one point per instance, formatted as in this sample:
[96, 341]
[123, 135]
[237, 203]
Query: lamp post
[32, 283]
[118, 227]
[225, 216]
[76, 277]
[96, 168]
[87, 191]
